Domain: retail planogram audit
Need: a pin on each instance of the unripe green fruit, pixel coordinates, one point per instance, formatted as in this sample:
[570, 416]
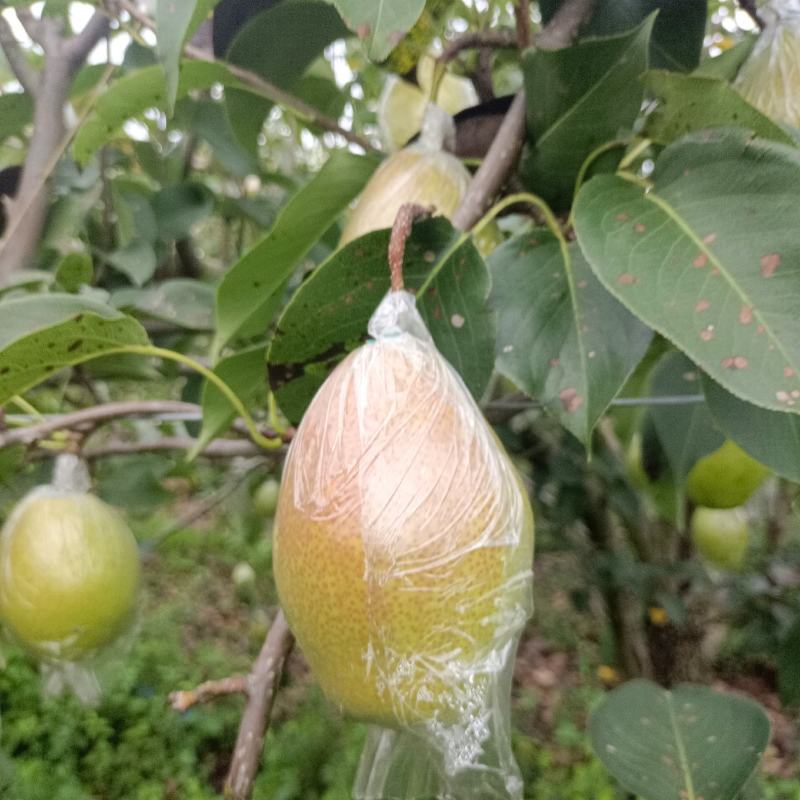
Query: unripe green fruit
[69, 568]
[720, 536]
[725, 478]
[265, 499]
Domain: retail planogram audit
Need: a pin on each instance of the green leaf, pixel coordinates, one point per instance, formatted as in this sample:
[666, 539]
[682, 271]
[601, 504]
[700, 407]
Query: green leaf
[178, 208]
[726, 65]
[297, 33]
[327, 316]
[131, 95]
[381, 24]
[686, 430]
[789, 666]
[708, 256]
[43, 333]
[578, 98]
[74, 270]
[16, 111]
[690, 742]
[245, 296]
[677, 41]
[561, 337]
[137, 261]
[174, 22]
[690, 103]
[207, 119]
[183, 302]
[245, 373]
[771, 437]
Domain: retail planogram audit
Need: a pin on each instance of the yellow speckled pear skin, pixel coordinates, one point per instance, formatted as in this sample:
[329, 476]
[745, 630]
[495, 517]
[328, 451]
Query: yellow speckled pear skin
[415, 174]
[404, 537]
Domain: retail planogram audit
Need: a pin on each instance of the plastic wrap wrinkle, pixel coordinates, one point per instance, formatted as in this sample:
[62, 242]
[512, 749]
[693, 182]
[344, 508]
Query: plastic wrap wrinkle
[397, 489]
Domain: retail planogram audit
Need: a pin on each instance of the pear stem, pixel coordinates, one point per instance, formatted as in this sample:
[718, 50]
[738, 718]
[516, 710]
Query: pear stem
[401, 230]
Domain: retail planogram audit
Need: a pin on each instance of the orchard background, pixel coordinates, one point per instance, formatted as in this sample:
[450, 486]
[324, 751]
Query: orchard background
[619, 287]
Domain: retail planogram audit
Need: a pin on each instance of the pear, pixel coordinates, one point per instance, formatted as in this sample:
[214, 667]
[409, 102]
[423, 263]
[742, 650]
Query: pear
[404, 539]
[720, 536]
[770, 78]
[69, 568]
[725, 478]
[402, 104]
[421, 173]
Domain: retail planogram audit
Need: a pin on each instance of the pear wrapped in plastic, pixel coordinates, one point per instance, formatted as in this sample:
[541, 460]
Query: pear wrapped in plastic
[403, 551]
[422, 173]
[770, 78]
[69, 574]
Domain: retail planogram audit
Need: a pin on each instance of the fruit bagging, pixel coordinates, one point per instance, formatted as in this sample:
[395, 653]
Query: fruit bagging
[403, 551]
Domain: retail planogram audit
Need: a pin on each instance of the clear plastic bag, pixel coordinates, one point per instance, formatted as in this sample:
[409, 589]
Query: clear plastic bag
[403, 553]
[770, 78]
[70, 576]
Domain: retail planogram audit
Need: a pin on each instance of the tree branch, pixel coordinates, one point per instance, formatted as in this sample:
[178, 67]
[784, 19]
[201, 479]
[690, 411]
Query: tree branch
[78, 48]
[219, 448]
[522, 12]
[184, 700]
[505, 149]
[477, 40]
[262, 685]
[262, 86]
[15, 55]
[564, 24]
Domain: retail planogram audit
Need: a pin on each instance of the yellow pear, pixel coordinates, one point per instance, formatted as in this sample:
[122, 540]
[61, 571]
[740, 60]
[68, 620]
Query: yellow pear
[404, 538]
[421, 173]
[69, 573]
[402, 104]
[770, 78]
[725, 478]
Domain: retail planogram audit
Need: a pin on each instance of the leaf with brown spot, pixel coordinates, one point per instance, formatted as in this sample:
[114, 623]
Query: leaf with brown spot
[572, 352]
[42, 333]
[728, 201]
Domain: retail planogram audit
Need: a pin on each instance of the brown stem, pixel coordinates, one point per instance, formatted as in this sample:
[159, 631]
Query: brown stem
[184, 700]
[219, 448]
[262, 86]
[17, 60]
[401, 230]
[505, 149]
[63, 58]
[522, 12]
[89, 418]
[262, 685]
[483, 40]
[495, 168]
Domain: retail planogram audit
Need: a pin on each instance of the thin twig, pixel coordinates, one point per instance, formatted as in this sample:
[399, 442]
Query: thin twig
[261, 85]
[477, 40]
[505, 149]
[401, 230]
[262, 685]
[564, 25]
[88, 419]
[210, 690]
[522, 12]
[17, 60]
[219, 448]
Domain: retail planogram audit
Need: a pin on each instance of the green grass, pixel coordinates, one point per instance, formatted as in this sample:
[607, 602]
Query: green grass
[194, 624]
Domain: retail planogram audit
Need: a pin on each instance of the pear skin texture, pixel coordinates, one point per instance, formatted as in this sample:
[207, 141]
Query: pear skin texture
[720, 536]
[725, 478]
[403, 541]
[412, 175]
[69, 574]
